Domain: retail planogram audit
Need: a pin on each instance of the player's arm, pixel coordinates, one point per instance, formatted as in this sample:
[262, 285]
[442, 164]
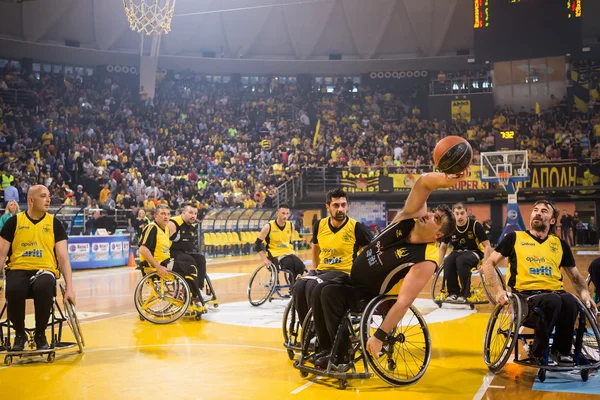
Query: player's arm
[363, 235]
[581, 288]
[316, 248]
[172, 228]
[568, 265]
[443, 249]
[4, 247]
[62, 256]
[259, 246]
[316, 251]
[416, 203]
[483, 240]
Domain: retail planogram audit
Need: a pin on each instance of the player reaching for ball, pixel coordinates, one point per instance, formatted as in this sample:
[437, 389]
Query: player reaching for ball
[406, 250]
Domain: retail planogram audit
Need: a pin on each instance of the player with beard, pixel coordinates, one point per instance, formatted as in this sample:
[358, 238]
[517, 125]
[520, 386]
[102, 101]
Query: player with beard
[535, 258]
[336, 241]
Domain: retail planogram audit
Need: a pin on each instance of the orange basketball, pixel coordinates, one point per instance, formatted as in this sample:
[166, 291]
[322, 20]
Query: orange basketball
[452, 154]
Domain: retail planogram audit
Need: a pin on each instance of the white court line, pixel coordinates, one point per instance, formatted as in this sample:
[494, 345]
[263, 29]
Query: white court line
[171, 345]
[487, 381]
[496, 387]
[307, 384]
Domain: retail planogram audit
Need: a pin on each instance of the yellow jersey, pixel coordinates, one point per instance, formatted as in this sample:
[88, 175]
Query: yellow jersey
[32, 243]
[534, 264]
[157, 240]
[279, 239]
[339, 246]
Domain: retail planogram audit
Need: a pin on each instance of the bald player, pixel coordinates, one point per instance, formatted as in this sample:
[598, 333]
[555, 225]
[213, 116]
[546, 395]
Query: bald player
[36, 246]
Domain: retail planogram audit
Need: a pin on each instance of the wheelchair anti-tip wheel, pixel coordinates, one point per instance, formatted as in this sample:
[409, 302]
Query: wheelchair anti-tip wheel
[262, 284]
[162, 300]
[407, 351]
[502, 333]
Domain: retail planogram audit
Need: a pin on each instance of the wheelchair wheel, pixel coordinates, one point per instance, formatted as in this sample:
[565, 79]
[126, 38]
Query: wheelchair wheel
[406, 353]
[73, 321]
[491, 295]
[438, 287]
[501, 334]
[588, 336]
[292, 330]
[162, 300]
[308, 336]
[262, 284]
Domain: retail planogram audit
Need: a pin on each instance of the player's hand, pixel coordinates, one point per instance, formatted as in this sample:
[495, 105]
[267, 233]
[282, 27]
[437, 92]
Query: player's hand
[374, 346]
[589, 303]
[503, 296]
[162, 271]
[70, 295]
[460, 175]
[312, 272]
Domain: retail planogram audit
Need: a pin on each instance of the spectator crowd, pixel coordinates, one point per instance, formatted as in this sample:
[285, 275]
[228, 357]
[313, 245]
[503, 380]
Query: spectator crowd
[97, 142]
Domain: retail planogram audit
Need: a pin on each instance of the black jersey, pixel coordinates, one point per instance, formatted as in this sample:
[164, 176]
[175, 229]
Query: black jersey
[468, 237]
[388, 258]
[184, 238]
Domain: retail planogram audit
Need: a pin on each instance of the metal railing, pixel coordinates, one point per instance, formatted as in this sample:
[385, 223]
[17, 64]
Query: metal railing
[288, 192]
[16, 97]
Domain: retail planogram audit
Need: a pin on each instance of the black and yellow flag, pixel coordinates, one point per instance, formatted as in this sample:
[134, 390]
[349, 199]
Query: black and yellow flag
[586, 85]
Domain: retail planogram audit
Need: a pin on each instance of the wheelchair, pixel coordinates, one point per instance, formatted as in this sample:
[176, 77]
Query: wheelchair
[506, 329]
[266, 283]
[480, 289]
[405, 355]
[163, 300]
[292, 330]
[57, 318]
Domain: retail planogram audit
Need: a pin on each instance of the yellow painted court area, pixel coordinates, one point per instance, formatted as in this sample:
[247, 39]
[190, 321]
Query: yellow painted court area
[236, 352]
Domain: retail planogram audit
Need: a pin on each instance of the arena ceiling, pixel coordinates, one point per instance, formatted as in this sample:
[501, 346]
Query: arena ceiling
[265, 29]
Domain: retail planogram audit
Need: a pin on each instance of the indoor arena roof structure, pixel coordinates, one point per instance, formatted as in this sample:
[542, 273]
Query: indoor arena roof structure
[264, 29]
[294, 30]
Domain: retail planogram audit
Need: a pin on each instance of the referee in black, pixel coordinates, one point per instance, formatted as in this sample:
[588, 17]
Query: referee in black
[36, 245]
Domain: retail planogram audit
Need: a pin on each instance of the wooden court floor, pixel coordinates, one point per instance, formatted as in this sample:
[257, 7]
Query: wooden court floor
[236, 352]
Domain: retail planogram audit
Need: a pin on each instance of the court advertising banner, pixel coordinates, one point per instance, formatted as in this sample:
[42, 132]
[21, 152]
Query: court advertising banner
[98, 251]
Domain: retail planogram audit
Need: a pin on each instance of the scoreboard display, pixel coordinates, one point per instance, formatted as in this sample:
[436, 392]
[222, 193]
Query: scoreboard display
[507, 30]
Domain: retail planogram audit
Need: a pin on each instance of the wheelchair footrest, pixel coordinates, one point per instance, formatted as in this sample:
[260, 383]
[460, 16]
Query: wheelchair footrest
[330, 373]
[531, 362]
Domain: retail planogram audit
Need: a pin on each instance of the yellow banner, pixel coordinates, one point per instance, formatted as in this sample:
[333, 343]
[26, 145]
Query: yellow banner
[316, 137]
[361, 182]
[461, 110]
[407, 181]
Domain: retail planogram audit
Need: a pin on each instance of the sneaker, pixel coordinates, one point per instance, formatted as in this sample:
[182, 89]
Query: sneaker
[451, 298]
[561, 359]
[206, 297]
[336, 360]
[461, 299]
[40, 342]
[312, 358]
[19, 344]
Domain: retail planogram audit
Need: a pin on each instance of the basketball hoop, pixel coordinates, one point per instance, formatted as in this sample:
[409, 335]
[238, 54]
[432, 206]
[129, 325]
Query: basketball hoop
[149, 16]
[503, 178]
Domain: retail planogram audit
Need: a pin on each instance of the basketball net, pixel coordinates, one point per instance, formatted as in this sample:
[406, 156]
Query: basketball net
[503, 178]
[150, 16]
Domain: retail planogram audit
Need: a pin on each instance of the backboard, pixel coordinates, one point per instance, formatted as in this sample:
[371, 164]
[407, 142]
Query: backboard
[505, 166]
